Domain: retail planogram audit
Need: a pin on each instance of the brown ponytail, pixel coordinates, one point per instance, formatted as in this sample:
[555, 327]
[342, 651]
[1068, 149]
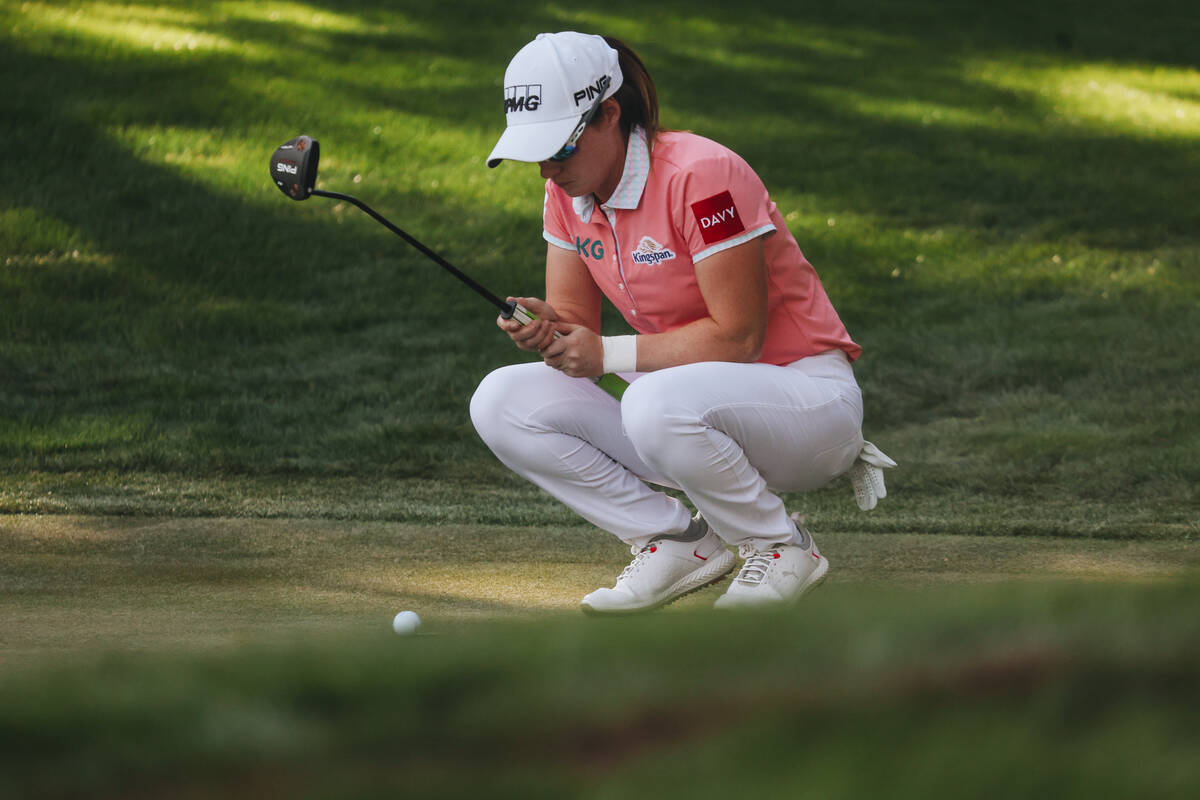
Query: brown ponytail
[637, 96]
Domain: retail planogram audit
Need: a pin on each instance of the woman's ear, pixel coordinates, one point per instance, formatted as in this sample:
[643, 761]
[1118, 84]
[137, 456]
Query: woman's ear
[609, 114]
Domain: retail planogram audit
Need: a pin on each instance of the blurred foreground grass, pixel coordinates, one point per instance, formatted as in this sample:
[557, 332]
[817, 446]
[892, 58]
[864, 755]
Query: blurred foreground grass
[156, 657]
[1021, 689]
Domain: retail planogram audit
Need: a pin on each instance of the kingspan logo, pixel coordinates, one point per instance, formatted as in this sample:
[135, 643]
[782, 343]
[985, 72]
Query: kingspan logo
[522, 98]
[651, 252]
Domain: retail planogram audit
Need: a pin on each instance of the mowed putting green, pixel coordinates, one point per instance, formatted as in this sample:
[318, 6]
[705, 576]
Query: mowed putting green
[79, 583]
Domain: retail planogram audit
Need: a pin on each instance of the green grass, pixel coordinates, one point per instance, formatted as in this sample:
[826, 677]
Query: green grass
[999, 204]
[104, 583]
[234, 439]
[235, 656]
[228, 658]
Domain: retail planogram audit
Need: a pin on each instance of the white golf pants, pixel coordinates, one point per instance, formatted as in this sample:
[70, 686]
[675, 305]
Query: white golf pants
[727, 435]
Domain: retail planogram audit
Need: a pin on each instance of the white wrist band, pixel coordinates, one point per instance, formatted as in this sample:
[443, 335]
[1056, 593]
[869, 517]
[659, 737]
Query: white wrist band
[620, 353]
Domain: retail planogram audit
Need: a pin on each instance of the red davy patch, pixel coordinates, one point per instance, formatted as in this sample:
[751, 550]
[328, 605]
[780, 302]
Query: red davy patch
[717, 217]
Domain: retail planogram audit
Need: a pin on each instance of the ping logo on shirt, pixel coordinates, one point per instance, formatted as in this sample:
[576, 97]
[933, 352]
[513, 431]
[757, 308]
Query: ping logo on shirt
[717, 217]
[651, 252]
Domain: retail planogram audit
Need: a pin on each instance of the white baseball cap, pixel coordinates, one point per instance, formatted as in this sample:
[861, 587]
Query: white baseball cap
[548, 87]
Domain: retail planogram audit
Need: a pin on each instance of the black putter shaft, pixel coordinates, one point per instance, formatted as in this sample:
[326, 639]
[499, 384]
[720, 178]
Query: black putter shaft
[506, 308]
[294, 171]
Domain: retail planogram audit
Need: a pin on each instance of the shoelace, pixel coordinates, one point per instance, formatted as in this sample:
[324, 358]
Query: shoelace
[755, 569]
[633, 566]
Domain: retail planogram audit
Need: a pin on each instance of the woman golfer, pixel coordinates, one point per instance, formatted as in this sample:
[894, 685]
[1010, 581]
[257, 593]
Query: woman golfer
[741, 378]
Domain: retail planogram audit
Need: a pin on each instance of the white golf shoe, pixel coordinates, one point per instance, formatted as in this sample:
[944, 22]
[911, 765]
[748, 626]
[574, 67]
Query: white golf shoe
[778, 575]
[662, 571]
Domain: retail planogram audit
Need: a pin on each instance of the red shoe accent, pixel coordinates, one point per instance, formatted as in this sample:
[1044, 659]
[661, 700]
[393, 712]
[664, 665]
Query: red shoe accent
[697, 555]
[775, 555]
[654, 549]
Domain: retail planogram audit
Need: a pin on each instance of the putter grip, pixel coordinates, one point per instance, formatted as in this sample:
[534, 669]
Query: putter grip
[615, 385]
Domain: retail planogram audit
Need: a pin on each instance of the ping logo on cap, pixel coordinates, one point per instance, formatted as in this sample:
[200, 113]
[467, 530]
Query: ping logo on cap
[590, 91]
[522, 98]
[717, 217]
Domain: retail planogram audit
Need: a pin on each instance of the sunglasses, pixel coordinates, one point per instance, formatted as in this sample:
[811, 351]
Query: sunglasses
[572, 146]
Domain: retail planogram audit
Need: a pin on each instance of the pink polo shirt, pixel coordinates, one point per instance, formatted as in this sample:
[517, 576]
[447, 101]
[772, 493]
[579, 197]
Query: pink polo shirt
[679, 204]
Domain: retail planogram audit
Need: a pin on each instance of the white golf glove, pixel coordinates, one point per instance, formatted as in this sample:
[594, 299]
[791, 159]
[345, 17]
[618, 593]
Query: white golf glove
[867, 476]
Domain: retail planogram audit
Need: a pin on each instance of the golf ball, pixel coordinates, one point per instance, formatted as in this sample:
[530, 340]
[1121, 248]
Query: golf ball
[406, 622]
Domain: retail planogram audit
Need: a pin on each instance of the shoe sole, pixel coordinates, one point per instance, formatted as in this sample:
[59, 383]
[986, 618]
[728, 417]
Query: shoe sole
[692, 582]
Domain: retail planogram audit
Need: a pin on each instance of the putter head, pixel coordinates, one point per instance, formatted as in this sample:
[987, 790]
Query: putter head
[294, 166]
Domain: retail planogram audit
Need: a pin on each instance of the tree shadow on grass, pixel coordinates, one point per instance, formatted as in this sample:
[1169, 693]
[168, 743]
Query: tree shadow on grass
[242, 324]
[230, 322]
[898, 124]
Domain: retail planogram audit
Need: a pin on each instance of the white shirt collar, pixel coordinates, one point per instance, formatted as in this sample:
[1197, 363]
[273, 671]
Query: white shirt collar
[633, 180]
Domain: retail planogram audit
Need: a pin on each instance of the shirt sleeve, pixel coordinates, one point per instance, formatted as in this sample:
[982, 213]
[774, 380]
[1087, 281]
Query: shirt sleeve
[719, 202]
[554, 226]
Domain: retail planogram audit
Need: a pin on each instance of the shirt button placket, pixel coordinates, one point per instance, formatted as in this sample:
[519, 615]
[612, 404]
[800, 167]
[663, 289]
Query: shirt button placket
[623, 285]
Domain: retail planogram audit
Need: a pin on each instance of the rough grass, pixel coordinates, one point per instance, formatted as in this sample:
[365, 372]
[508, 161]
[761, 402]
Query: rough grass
[998, 200]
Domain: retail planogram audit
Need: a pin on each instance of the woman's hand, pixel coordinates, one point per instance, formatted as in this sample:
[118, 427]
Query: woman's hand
[578, 352]
[534, 336]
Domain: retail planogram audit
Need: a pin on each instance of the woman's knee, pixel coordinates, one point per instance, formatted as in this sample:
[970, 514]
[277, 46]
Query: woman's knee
[654, 419]
[492, 404]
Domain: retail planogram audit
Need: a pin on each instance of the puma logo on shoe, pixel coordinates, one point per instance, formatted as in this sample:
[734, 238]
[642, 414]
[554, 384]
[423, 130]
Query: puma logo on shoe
[778, 575]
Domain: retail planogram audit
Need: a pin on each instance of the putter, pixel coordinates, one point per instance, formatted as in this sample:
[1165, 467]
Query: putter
[294, 170]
